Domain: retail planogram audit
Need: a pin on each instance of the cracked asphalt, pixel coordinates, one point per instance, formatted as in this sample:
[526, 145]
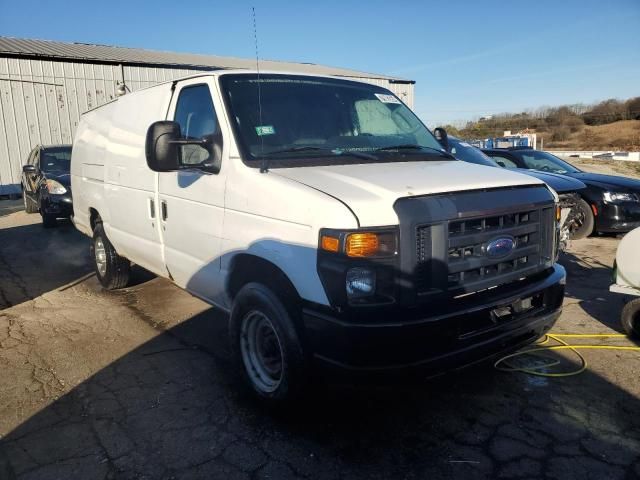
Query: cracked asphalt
[134, 384]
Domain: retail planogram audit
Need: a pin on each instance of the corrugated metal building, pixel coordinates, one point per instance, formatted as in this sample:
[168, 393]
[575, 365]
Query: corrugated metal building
[45, 86]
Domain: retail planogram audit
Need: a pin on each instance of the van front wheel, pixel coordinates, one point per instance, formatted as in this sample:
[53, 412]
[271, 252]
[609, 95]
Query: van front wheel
[112, 270]
[266, 348]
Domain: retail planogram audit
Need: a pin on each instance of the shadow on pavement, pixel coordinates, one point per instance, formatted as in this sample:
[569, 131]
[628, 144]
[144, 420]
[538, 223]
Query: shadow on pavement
[35, 260]
[589, 283]
[7, 207]
[27, 269]
[171, 409]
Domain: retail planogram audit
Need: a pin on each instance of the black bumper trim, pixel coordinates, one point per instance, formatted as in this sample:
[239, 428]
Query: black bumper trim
[463, 335]
[531, 331]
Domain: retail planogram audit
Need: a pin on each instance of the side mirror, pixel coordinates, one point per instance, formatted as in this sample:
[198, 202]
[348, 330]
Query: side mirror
[166, 151]
[161, 149]
[29, 168]
[442, 137]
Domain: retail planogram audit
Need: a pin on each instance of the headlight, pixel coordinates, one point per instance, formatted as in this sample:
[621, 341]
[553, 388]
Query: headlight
[55, 187]
[361, 282]
[359, 267]
[616, 197]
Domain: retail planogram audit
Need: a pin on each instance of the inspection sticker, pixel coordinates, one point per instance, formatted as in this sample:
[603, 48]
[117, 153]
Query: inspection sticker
[265, 130]
[386, 98]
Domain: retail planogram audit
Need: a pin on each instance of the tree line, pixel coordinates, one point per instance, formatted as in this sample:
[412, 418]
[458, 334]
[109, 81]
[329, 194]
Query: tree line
[554, 123]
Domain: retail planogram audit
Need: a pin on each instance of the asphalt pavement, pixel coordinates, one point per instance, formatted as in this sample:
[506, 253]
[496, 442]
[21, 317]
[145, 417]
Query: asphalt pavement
[135, 384]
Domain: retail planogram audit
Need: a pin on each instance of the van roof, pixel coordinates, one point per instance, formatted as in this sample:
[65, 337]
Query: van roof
[217, 73]
[249, 71]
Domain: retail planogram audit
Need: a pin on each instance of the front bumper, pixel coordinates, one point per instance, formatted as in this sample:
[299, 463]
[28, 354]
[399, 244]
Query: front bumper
[60, 205]
[622, 217]
[463, 332]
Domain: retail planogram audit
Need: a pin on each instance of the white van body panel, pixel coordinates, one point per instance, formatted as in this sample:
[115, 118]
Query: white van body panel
[371, 189]
[110, 173]
[87, 168]
[279, 220]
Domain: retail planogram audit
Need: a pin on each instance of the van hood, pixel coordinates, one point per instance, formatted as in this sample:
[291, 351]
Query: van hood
[370, 190]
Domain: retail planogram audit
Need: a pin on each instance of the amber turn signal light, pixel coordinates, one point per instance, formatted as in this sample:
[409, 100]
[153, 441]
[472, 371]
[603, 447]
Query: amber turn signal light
[558, 214]
[331, 244]
[361, 244]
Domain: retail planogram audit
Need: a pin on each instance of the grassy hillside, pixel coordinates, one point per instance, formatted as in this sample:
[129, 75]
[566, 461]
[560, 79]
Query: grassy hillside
[621, 135]
[609, 125]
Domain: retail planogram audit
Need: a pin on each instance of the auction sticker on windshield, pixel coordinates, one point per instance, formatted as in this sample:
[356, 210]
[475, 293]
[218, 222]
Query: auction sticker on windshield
[265, 130]
[386, 98]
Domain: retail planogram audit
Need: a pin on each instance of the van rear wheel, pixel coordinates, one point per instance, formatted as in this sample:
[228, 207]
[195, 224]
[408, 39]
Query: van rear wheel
[265, 345]
[112, 270]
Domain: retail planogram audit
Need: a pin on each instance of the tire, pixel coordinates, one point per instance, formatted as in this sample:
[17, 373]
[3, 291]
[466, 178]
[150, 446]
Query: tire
[49, 220]
[112, 270]
[631, 318]
[583, 221]
[29, 205]
[266, 348]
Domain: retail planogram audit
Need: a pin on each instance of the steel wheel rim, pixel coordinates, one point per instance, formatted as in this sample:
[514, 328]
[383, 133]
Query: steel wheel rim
[261, 351]
[101, 256]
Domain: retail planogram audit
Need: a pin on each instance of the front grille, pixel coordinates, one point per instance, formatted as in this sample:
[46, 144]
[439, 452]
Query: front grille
[467, 264]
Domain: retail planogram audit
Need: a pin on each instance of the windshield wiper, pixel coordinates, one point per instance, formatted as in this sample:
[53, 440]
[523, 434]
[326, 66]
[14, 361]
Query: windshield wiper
[292, 150]
[411, 146]
[308, 148]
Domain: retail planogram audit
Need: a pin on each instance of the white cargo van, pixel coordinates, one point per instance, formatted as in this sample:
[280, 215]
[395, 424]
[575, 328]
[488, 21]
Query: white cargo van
[324, 217]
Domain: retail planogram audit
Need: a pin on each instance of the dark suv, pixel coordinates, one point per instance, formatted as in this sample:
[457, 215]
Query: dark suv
[610, 203]
[46, 183]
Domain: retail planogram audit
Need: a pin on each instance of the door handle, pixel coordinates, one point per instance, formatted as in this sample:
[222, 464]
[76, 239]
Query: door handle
[152, 208]
[163, 207]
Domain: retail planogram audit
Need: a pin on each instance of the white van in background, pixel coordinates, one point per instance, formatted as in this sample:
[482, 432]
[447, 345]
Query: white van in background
[324, 217]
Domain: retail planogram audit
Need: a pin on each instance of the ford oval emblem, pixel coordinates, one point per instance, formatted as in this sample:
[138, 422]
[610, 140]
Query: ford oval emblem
[500, 247]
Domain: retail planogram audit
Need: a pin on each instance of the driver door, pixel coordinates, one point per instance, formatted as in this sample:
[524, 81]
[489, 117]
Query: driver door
[191, 200]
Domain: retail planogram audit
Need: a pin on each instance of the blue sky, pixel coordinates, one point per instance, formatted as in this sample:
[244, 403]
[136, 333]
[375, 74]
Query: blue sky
[468, 58]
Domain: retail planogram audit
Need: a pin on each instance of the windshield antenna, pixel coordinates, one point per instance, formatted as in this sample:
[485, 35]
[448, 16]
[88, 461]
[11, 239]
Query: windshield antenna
[264, 167]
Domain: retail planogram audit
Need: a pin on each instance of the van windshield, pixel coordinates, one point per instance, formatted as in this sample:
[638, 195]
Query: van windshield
[302, 120]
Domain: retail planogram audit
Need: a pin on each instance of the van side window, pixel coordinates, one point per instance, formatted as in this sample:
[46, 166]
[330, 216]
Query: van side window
[197, 119]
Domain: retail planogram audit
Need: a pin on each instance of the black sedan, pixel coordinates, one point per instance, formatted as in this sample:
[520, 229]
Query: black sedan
[610, 203]
[567, 188]
[46, 183]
